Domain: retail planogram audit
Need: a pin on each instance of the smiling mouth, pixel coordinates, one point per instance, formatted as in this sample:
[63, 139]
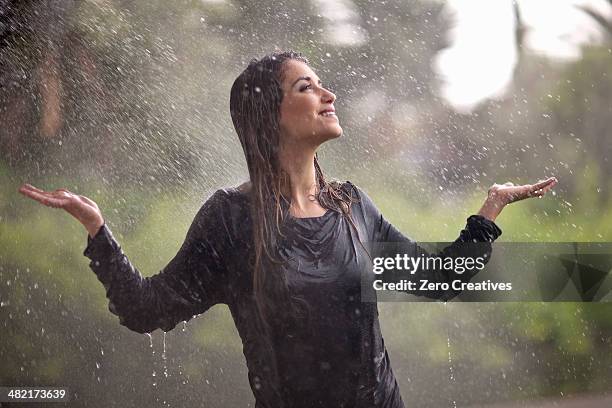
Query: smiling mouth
[326, 114]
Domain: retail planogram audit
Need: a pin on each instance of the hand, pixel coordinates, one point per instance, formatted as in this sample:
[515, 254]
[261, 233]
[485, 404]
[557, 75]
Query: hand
[80, 207]
[500, 195]
[508, 193]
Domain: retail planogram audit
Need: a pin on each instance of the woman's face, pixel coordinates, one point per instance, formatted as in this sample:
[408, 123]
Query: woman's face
[302, 112]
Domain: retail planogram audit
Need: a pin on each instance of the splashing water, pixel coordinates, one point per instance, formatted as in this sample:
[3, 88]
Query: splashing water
[180, 368]
[150, 342]
[164, 358]
[451, 373]
[154, 374]
[165, 363]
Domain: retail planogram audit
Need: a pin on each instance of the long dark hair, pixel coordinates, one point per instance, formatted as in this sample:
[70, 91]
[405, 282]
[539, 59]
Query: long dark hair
[255, 101]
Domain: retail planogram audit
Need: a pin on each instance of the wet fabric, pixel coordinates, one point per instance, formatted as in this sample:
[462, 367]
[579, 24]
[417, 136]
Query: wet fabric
[334, 355]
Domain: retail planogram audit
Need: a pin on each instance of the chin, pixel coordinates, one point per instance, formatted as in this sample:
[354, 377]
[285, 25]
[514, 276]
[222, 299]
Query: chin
[336, 133]
[331, 136]
[329, 133]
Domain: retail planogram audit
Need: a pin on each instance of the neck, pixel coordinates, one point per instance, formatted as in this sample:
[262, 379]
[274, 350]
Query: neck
[298, 180]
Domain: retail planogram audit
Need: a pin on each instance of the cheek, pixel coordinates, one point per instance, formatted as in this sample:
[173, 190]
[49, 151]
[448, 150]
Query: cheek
[297, 111]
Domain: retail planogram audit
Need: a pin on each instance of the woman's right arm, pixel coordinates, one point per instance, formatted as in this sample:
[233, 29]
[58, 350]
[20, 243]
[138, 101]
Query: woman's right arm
[193, 281]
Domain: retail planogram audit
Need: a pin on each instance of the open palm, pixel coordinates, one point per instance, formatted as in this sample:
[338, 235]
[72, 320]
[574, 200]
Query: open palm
[85, 210]
[508, 192]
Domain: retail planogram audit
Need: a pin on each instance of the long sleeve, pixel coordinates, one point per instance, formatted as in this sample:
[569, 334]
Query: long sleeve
[474, 241]
[193, 281]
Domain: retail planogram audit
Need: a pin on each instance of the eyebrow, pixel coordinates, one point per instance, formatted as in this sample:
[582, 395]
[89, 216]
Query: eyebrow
[307, 78]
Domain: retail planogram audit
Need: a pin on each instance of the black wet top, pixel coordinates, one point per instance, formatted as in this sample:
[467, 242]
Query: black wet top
[335, 356]
[319, 358]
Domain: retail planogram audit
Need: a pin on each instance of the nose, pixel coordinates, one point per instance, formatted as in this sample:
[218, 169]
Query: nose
[328, 96]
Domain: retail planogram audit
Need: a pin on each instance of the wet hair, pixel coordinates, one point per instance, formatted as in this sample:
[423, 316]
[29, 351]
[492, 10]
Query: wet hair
[255, 101]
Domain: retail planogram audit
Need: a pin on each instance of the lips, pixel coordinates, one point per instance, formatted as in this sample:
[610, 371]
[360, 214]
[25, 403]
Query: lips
[328, 112]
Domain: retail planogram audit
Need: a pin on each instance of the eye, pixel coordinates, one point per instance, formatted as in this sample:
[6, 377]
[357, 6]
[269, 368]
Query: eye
[305, 87]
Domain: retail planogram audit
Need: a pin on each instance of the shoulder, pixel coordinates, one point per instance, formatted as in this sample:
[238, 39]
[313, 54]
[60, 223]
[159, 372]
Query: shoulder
[223, 205]
[244, 187]
[235, 194]
[230, 195]
[224, 214]
[353, 190]
[361, 198]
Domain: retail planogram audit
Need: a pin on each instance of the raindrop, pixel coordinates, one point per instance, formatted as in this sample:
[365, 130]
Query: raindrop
[450, 359]
[150, 341]
[164, 358]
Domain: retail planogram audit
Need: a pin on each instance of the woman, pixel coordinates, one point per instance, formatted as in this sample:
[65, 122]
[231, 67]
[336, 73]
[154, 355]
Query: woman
[283, 251]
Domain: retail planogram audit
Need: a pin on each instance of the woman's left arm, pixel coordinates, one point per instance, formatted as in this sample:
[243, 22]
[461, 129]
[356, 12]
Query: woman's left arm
[474, 240]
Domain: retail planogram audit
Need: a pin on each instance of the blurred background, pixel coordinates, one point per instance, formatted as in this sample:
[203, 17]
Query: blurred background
[127, 102]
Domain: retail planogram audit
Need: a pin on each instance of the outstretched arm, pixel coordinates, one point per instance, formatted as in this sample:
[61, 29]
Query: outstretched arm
[191, 283]
[474, 240]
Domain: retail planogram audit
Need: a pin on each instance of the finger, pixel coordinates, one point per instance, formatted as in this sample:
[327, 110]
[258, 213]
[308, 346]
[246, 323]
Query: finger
[509, 183]
[45, 198]
[533, 189]
[61, 193]
[50, 201]
[522, 192]
[541, 192]
[544, 183]
[31, 193]
[30, 188]
[547, 187]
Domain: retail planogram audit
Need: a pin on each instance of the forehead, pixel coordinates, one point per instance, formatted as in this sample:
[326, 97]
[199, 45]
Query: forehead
[294, 69]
